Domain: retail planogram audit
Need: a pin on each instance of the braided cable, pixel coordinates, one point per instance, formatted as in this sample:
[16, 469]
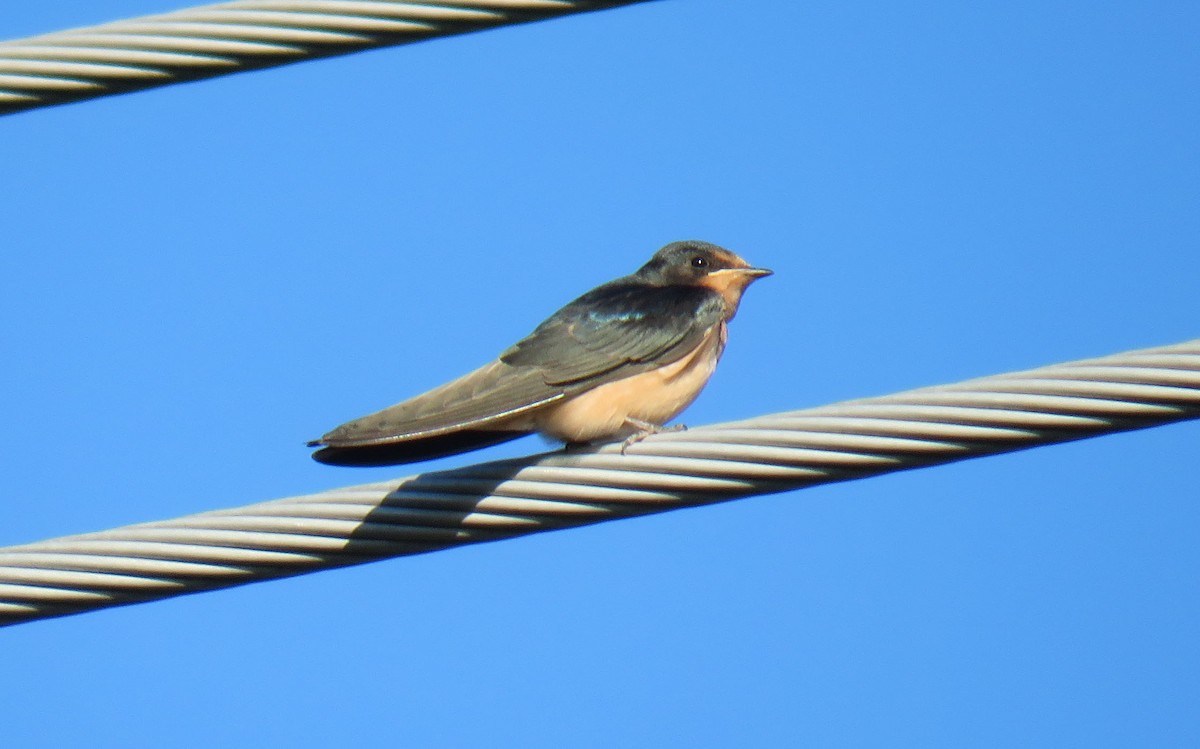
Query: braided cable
[509, 498]
[212, 40]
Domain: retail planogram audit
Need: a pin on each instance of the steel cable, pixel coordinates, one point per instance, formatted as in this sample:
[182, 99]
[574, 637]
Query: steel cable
[212, 40]
[504, 499]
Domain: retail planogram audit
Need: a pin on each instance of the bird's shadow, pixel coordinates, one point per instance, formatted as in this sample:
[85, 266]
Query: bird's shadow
[442, 509]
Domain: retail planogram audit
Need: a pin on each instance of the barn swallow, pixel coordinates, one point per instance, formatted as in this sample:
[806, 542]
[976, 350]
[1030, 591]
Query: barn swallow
[619, 361]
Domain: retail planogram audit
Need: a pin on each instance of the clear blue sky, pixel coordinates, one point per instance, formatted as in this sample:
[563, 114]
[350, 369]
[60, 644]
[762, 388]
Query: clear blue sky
[197, 279]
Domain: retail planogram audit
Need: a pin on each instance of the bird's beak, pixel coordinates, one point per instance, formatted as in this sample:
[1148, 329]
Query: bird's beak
[744, 276]
[756, 272]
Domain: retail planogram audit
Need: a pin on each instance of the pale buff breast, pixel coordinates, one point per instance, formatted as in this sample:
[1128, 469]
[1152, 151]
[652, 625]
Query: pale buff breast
[656, 397]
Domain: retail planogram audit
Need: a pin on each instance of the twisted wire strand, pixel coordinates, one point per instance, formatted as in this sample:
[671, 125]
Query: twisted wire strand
[499, 500]
[212, 40]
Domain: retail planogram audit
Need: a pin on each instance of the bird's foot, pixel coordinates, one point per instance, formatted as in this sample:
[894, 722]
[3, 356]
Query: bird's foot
[645, 429]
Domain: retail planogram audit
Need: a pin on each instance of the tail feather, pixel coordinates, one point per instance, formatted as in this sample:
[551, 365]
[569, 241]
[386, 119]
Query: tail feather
[413, 450]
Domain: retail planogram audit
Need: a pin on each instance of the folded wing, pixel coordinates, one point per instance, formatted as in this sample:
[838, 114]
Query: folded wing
[614, 331]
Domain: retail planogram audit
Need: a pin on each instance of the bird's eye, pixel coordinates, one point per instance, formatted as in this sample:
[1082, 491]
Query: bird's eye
[699, 262]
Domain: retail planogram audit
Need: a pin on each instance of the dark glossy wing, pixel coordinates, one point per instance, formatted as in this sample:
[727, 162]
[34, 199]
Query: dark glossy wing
[614, 331]
[622, 326]
[492, 393]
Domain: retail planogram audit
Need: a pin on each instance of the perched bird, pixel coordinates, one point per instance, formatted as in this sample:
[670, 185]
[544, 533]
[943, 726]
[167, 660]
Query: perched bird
[619, 361]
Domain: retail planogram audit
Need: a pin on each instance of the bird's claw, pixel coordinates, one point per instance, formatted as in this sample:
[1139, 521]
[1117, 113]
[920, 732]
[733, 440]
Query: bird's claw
[645, 429]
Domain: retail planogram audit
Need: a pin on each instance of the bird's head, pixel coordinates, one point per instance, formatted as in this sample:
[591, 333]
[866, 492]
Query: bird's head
[695, 263]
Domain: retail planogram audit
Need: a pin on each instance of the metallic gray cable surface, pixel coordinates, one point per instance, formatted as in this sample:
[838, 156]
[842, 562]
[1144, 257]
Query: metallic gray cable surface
[510, 498]
[213, 40]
